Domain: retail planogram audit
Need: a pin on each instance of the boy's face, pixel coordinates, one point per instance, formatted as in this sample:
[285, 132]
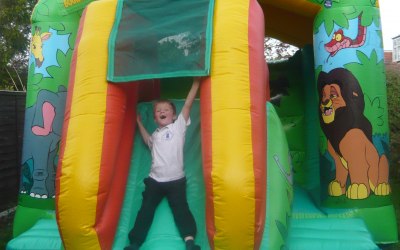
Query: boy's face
[163, 114]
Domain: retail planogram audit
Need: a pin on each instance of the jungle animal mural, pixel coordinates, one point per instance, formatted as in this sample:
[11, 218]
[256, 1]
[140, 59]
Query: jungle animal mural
[44, 113]
[37, 45]
[341, 41]
[349, 135]
[43, 133]
[51, 49]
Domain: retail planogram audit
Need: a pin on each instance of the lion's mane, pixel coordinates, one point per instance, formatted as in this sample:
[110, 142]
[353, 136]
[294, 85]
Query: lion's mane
[349, 117]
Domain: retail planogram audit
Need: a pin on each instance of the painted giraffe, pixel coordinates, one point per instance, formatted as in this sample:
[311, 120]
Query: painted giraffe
[37, 45]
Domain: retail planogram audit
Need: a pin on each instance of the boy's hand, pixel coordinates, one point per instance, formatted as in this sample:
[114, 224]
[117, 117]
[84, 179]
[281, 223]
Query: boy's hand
[190, 97]
[197, 80]
[138, 119]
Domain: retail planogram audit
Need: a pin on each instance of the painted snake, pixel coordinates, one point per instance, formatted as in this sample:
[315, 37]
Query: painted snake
[340, 41]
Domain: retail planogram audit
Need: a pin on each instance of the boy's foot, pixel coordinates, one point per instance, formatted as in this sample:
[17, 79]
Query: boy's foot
[132, 247]
[191, 246]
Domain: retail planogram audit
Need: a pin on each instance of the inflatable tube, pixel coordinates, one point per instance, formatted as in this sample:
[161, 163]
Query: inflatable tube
[350, 83]
[54, 28]
[98, 132]
[279, 184]
[233, 121]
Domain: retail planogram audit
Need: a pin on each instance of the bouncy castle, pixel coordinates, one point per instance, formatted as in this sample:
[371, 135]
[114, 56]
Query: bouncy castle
[289, 154]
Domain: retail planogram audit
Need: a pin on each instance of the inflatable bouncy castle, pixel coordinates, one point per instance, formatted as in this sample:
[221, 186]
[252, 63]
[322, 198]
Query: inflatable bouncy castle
[290, 154]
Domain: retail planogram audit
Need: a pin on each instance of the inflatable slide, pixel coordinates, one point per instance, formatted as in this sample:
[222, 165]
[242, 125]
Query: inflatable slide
[275, 155]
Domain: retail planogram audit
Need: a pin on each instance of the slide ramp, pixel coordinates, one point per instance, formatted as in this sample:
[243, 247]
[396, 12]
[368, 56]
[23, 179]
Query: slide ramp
[163, 233]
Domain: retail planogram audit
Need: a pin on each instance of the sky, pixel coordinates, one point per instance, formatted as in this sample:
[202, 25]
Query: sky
[390, 17]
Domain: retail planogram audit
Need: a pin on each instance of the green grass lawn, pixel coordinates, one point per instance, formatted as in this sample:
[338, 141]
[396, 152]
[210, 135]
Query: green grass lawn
[396, 202]
[5, 230]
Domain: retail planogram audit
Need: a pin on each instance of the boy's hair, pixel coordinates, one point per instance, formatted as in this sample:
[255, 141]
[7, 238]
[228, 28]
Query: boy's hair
[164, 101]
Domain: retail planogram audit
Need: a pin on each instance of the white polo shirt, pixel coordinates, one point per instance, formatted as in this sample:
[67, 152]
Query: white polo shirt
[166, 145]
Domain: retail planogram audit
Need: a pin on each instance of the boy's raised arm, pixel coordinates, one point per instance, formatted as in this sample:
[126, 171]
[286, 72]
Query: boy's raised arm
[190, 98]
[142, 130]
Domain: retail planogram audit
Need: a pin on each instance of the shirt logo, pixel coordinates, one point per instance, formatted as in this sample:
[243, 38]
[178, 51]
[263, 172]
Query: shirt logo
[167, 136]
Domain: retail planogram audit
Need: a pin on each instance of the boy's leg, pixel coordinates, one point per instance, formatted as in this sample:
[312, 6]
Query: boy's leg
[152, 195]
[176, 195]
[190, 245]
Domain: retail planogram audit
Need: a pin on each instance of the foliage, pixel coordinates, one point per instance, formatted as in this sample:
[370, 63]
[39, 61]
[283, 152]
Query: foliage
[372, 83]
[14, 40]
[276, 50]
[393, 96]
[341, 17]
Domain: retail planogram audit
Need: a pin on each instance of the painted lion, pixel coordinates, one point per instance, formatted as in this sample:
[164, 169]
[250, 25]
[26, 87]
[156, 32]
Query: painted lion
[349, 135]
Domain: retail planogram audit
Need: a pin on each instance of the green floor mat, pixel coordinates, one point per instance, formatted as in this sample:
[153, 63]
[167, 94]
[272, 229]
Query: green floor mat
[43, 235]
[312, 229]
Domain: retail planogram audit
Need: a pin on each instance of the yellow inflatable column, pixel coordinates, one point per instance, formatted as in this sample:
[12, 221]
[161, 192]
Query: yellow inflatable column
[96, 141]
[233, 127]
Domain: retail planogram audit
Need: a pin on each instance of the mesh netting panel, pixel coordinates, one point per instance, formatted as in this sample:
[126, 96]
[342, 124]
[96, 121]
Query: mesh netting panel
[160, 38]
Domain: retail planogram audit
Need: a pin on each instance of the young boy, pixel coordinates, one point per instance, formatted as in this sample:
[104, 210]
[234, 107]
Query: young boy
[167, 177]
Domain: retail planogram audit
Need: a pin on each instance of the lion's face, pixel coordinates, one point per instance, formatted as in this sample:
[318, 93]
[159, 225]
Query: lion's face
[331, 101]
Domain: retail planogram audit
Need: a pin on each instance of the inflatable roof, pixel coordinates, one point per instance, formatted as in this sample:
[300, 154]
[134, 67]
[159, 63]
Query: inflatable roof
[290, 21]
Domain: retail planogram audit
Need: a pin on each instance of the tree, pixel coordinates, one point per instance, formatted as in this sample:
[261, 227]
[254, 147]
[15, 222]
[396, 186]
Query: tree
[276, 50]
[14, 42]
[393, 92]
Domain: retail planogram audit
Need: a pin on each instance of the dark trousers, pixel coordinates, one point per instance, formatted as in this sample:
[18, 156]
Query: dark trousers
[154, 191]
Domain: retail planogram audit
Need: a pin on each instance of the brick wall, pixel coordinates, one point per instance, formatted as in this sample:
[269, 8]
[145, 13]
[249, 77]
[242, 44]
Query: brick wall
[388, 57]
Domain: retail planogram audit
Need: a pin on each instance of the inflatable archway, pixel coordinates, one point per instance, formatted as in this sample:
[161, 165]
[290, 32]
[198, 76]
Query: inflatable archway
[257, 177]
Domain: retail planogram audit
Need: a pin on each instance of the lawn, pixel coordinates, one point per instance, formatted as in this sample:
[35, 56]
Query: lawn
[396, 202]
[6, 229]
